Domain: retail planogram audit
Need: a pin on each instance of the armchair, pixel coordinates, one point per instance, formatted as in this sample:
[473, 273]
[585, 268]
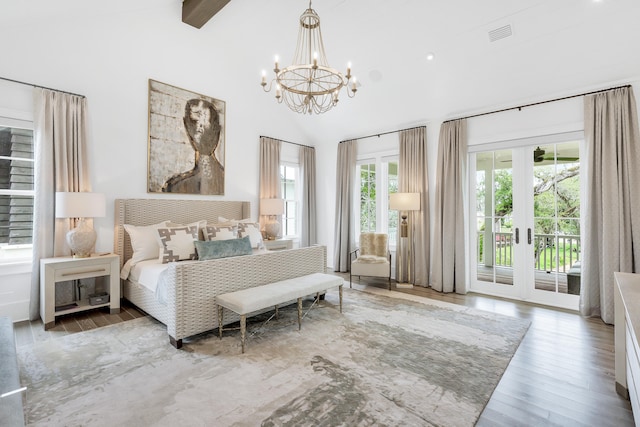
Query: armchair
[372, 258]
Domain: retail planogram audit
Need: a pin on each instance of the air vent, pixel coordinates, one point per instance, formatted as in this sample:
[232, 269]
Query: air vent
[500, 33]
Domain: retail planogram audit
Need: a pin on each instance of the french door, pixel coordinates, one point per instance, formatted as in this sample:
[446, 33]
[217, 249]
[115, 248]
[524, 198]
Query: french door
[525, 220]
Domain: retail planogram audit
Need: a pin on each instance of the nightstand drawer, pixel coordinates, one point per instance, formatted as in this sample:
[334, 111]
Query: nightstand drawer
[84, 272]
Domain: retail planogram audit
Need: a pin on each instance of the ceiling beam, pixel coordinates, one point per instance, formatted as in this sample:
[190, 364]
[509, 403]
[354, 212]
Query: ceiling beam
[197, 12]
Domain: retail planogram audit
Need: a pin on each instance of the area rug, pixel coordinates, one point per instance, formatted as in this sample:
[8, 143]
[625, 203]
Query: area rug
[389, 359]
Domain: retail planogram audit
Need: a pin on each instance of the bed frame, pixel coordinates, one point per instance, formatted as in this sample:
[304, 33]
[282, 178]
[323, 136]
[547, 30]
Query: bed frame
[192, 287]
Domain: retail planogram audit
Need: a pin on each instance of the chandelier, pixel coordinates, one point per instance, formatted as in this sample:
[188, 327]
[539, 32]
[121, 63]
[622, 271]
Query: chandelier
[309, 85]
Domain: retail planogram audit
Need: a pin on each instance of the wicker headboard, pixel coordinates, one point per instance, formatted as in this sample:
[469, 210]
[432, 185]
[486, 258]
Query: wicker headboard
[153, 211]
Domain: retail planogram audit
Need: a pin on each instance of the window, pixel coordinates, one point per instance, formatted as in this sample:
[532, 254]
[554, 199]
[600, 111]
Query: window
[378, 178]
[289, 181]
[16, 193]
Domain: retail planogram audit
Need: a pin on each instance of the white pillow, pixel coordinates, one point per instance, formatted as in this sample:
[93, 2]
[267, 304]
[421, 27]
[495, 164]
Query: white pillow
[252, 230]
[220, 232]
[144, 241]
[223, 220]
[177, 243]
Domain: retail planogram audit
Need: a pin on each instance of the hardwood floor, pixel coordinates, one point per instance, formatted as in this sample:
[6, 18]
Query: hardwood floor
[28, 332]
[561, 375]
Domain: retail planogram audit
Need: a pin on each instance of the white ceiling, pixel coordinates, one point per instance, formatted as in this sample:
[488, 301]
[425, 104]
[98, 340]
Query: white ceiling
[558, 47]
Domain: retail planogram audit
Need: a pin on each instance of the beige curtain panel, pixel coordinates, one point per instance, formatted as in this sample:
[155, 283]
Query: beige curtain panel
[60, 141]
[612, 204]
[308, 225]
[270, 185]
[344, 237]
[413, 178]
[448, 266]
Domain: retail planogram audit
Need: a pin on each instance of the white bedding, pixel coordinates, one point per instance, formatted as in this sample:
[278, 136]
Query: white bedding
[150, 273]
[147, 273]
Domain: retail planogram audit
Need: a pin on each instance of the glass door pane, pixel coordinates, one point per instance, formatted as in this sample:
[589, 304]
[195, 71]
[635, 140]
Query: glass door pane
[556, 200]
[494, 217]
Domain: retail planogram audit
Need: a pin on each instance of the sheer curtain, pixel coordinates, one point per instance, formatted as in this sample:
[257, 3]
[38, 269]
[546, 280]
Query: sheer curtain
[270, 185]
[344, 237]
[413, 178]
[612, 203]
[448, 269]
[60, 140]
[308, 224]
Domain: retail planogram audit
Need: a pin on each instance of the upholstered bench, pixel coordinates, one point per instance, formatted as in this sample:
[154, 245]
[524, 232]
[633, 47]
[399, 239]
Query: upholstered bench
[254, 299]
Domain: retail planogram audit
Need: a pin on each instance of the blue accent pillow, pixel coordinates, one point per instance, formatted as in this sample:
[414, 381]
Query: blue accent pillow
[214, 249]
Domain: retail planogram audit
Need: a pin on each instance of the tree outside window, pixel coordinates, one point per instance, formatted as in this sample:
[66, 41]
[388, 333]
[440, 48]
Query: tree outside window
[377, 179]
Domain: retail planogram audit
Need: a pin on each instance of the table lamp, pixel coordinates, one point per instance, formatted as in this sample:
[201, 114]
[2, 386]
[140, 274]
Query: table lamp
[80, 205]
[272, 208]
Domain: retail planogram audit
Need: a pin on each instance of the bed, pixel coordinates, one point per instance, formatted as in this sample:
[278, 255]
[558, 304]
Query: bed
[191, 286]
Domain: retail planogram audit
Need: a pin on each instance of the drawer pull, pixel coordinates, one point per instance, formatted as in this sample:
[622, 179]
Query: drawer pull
[102, 270]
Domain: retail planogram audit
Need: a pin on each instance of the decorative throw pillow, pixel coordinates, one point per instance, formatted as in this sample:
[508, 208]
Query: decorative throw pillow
[251, 229]
[144, 241]
[178, 243]
[220, 232]
[223, 248]
[200, 224]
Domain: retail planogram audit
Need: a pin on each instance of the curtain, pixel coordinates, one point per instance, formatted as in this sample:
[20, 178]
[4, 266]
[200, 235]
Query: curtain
[60, 140]
[413, 178]
[308, 224]
[612, 202]
[344, 237]
[270, 185]
[448, 269]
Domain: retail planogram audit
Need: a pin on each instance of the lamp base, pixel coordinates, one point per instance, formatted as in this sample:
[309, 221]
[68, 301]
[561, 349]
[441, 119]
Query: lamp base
[81, 240]
[404, 286]
[272, 228]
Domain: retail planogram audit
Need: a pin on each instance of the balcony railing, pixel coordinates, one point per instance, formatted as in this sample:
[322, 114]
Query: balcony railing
[552, 252]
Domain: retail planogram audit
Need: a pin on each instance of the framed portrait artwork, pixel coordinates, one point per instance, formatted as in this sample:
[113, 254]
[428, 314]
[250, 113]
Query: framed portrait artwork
[186, 141]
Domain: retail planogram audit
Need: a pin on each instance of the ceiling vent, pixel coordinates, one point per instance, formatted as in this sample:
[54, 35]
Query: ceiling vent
[500, 33]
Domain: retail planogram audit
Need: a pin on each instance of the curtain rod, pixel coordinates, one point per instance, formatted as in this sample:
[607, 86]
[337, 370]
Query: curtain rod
[382, 133]
[289, 142]
[41, 87]
[537, 103]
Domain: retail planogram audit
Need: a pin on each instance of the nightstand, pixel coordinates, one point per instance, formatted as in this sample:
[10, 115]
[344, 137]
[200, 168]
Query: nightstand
[62, 269]
[278, 244]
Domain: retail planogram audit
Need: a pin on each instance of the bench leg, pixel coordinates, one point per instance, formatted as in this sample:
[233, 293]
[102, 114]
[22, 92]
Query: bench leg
[220, 320]
[243, 329]
[299, 313]
[276, 312]
[340, 292]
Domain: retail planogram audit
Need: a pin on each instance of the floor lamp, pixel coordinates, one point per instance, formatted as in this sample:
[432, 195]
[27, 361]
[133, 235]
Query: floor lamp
[403, 203]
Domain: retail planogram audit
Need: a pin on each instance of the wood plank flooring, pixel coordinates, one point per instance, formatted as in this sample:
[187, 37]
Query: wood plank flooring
[28, 332]
[561, 375]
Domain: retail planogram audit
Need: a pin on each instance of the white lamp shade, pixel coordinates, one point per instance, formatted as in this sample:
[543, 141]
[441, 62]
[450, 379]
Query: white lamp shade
[271, 206]
[80, 205]
[404, 201]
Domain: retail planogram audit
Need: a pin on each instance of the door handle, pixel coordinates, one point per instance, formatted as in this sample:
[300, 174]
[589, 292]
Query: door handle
[517, 235]
[528, 235]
